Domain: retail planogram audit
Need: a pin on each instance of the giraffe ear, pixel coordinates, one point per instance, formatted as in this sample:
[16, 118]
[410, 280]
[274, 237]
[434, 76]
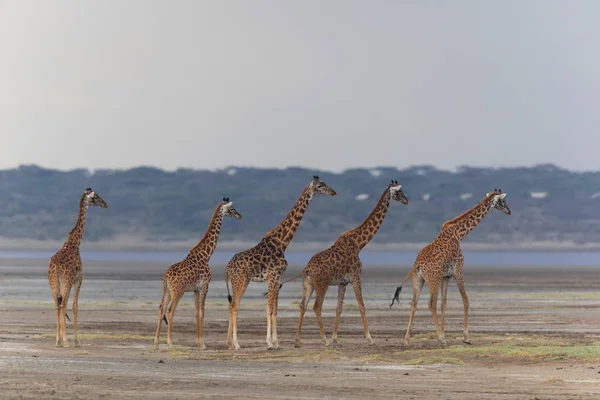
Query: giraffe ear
[501, 196]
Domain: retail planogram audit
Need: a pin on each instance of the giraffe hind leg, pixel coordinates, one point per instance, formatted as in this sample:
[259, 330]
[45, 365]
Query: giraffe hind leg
[338, 312]
[76, 310]
[307, 292]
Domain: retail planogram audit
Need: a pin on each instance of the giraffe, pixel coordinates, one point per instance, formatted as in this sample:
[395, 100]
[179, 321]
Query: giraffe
[192, 274]
[65, 270]
[442, 259]
[266, 262]
[340, 265]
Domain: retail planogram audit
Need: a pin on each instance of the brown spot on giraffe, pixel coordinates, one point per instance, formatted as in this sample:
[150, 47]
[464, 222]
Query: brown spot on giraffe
[266, 262]
[65, 270]
[442, 259]
[340, 265]
[192, 275]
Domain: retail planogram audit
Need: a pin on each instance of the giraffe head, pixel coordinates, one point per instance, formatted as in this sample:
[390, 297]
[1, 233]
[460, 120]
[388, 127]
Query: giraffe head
[227, 209]
[397, 193]
[498, 201]
[93, 200]
[319, 187]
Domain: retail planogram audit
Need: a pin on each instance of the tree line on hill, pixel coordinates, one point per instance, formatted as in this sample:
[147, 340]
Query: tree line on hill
[549, 204]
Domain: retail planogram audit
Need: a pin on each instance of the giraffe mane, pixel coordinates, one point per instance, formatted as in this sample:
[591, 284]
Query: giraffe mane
[463, 215]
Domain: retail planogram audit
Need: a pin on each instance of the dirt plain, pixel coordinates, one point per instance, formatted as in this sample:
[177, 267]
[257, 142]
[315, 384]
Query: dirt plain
[535, 335]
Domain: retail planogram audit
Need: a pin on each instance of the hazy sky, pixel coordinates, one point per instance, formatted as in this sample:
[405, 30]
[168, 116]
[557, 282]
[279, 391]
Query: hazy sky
[324, 84]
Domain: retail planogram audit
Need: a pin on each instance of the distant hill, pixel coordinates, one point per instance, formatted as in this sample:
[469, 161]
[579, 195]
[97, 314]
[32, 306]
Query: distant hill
[549, 204]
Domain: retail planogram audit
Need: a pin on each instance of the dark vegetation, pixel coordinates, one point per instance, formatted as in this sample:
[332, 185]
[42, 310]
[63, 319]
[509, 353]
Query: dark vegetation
[153, 204]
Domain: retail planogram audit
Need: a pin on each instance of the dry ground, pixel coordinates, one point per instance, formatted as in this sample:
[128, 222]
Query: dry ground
[534, 336]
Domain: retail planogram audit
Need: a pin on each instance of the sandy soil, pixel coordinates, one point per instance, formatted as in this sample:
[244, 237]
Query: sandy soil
[534, 336]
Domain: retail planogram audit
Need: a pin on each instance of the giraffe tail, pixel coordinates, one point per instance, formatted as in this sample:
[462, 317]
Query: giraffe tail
[399, 289]
[286, 281]
[59, 300]
[229, 298]
[162, 301]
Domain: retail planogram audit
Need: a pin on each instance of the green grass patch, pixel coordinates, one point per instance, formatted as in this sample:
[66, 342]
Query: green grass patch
[105, 336]
[434, 360]
[535, 348]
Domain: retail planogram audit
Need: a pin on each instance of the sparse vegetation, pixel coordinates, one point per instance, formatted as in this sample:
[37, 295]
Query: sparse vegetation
[434, 360]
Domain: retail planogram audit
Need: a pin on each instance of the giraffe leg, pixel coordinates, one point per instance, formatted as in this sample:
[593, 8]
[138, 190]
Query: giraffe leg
[55, 288]
[274, 302]
[444, 293]
[417, 284]
[338, 311]
[269, 312]
[203, 293]
[308, 289]
[63, 315]
[463, 293]
[433, 294]
[361, 307]
[57, 308]
[197, 315]
[318, 307]
[76, 309]
[175, 297]
[238, 291]
[162, 310]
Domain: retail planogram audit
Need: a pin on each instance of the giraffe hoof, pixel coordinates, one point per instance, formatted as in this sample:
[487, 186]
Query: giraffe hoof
[298, 345]
[466, 341]
[443, 342]
[405, 343]
[77, 344]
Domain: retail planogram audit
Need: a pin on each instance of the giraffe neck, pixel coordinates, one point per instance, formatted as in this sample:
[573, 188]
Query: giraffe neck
[285, 231]
[468, 220]
[366, 231]
[75, 236]
[207, 245]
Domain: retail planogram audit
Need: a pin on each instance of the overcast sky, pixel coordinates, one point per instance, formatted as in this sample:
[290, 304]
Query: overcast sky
[323, 84]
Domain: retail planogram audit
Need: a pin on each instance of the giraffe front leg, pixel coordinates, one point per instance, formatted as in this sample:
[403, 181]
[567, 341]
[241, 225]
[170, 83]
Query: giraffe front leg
[361, 307]
[203, 293]
[273, 288]
[444, 299]
[307, 291]
[197, 315]
[76, 310]
[269, 339]
[338, 312]
[463, 293]
[433, 294]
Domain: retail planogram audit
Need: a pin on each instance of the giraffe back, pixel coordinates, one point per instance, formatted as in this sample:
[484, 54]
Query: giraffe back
[189, 274]
[337, 264]
[437, 259]
[260, 260]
